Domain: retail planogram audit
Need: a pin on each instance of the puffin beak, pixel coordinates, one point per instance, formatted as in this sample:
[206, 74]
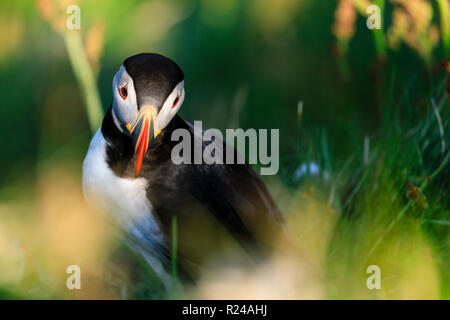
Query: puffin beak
[142, 133]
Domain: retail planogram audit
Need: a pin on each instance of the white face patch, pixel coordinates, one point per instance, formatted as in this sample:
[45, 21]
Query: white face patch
[171, 106]
[125, 109]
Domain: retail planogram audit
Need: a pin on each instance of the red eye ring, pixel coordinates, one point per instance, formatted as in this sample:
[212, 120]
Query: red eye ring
[177, 99]
[123, 92]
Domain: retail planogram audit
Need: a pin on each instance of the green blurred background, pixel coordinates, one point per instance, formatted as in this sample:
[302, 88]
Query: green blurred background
[367, 108]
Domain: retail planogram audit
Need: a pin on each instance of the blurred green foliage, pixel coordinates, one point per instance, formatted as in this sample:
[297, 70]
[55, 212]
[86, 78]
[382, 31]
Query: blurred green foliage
[267, 56]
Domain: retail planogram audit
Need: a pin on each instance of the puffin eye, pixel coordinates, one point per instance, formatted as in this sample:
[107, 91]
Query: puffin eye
[123, 92]
[175, 102]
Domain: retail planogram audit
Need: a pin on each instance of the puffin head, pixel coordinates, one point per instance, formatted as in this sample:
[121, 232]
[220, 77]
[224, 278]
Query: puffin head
[148, 91]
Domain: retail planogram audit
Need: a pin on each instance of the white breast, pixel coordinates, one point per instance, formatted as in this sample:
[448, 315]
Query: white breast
[124, 200]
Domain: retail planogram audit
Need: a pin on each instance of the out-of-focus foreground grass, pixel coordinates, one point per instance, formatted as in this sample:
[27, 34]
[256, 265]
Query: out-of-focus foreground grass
[363, 118]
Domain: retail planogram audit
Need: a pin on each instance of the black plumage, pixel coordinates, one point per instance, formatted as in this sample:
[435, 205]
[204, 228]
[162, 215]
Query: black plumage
[231, 194]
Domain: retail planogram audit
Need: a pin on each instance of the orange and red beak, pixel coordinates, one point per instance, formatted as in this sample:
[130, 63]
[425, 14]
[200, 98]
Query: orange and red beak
[142, 133]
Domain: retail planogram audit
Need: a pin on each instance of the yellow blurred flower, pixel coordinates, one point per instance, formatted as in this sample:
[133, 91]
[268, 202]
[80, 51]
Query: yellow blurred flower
[11, 29]
[344, 24]
[275, 16]
[93, 44]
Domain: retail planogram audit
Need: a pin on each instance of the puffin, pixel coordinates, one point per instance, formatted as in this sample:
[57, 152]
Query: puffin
[129, 173]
